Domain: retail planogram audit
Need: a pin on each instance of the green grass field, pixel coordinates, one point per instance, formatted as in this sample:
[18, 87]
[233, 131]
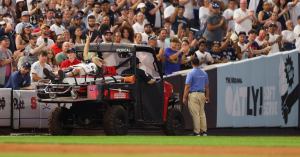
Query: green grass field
[261, 141]
[269, 141]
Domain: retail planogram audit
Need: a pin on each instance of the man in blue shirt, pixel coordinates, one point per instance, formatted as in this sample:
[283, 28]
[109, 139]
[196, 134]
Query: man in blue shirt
[20, 79]
[196, 92]
[173, 57]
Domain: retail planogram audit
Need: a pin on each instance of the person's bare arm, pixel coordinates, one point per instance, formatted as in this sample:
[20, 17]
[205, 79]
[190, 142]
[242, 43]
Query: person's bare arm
[185, 94]
[154, 10]
[87, 47]
[173, 16]
[35, 77]
[121, 4]
[19, 45]
[212, 27]
[38, 49]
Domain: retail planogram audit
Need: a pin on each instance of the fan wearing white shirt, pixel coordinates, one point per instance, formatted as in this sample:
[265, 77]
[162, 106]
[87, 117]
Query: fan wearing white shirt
[228, 14]
[57, 27]
[170, 12]
[204, 57]
[288, 36]
[243, 18]
[138, 26]
[203, 14]
[274, 39]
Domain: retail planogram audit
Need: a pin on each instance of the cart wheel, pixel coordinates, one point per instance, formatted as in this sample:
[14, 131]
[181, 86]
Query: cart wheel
[74, 94]
[52, 95]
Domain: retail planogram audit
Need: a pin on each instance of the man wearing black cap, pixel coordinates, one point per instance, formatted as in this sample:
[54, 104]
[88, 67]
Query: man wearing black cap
[106, 11]
[20, 79]
[57, 27]
[147, 32]
[72, 59]
[216, 25]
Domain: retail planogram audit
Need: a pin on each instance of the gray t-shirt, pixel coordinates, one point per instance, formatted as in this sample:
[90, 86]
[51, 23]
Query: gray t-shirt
[217, 34]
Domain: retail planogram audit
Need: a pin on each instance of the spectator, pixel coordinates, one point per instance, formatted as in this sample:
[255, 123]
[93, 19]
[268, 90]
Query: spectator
[6, 60]
[289, 37]
[51, 61]
[21, 7]
[108, 12]
[20, 79]
[243, 18]
[153, 13]
[180, 19]
[91, 28]
[37, 68]
[22, 39]
[261, 38]
[272, 20]
[57, 27]
[127, 34]
[77, 22]
[173, 57]
[204, 57]
[117, 37]
[138, 38]
[67, 36]
[31, 51]
[216, 25]
[108, 37]
[228, 14]
[283, 12]
[203, 14]
[274, 39]
[8, 7]
[162, 41]
[57, 46]
[45, 36]
[50, 15]
[170, 12]
[294, 8]
[265, 14]
[147, 32]
[78, 37]
[72, 60]
[24, 20]
[63, 55]
[96, 11]
[217, 52]
[253, 48]
[138, 26]
[35, 11]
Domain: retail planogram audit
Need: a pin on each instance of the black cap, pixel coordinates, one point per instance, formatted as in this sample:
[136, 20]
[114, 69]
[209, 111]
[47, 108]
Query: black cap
[108, 31]
[252, 31]
[152, 37]
[71, 50]
[104, 1]
[26, 65]
[58, 15]
[4, 37]
[242, 33]
[77, 16]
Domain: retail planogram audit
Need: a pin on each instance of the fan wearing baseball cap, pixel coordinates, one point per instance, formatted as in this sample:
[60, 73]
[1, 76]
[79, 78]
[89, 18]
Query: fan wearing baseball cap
[20, 79]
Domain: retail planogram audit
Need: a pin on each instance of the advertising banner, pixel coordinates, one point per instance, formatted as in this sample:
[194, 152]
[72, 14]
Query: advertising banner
[259, 92]
[5, 107]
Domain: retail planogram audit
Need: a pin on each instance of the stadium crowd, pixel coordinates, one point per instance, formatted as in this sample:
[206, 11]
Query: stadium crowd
[39, 34]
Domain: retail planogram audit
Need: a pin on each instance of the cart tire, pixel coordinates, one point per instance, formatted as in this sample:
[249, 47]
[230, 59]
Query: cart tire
[175, 124]
[56, 121]
[115, 121]
[52, 95]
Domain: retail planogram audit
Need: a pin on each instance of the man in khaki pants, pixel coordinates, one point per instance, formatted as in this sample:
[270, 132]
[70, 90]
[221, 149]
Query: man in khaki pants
[195, 94]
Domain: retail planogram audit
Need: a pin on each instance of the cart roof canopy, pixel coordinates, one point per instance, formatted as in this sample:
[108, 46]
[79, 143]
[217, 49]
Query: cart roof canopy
[115, 48]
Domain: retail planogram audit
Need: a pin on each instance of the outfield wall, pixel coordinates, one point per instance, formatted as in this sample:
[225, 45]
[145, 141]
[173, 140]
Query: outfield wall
[259, 92]
[250, 93]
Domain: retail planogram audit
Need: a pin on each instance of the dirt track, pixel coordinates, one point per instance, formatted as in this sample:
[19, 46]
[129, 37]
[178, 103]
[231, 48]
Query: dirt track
[142, 149]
